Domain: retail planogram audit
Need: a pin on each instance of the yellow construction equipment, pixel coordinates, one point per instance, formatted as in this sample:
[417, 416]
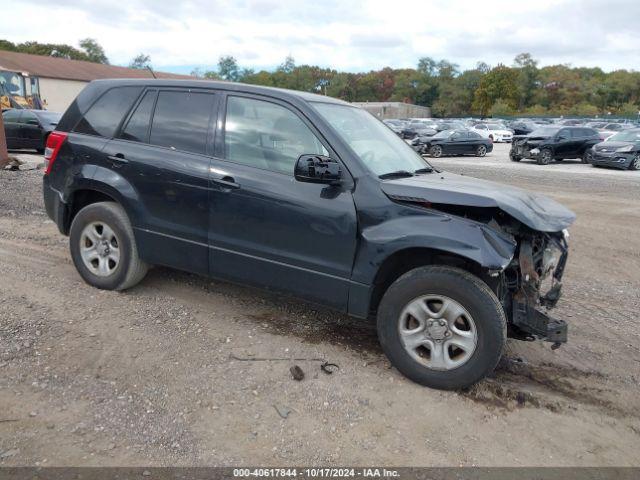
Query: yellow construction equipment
[19, 90]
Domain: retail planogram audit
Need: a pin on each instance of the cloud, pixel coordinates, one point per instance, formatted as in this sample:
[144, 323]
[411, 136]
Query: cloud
[352, 35]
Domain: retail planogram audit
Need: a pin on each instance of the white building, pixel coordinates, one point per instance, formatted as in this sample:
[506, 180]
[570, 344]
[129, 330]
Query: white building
[59, 80]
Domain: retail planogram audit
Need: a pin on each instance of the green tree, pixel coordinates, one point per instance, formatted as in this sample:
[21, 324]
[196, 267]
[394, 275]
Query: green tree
[228, 68]
[629, 109]
[288, 65]
[140, 61]
[501, 108]
[527, 78]
[499, 83]
[94, 51]
[428, 66]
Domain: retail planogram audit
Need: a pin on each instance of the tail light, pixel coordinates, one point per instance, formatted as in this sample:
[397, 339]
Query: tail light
[54, 143]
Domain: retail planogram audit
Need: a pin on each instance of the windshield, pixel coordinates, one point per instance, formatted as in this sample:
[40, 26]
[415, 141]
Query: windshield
[628, 136]
[443, 134]
[544, 131]
[494, 126]
[379, 149]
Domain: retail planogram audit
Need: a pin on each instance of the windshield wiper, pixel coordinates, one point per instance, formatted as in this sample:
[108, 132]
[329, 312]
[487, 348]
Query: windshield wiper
[424, 170]
[396, 174]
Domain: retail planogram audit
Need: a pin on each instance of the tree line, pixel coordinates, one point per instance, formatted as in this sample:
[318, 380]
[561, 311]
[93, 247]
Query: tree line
[521, 88]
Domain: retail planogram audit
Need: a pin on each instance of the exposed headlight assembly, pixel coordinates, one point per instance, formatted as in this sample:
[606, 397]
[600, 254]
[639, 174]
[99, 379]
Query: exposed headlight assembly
[628, 148]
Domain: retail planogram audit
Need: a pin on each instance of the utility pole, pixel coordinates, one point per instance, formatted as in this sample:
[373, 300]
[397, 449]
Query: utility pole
[4, 154]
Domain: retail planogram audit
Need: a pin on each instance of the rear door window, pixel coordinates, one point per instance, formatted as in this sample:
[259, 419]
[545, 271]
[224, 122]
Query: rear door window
[137, 128]
[106, 114]
[181, 120]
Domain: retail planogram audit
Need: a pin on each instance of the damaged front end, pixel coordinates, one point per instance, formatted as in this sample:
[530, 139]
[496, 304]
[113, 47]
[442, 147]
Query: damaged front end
[532, 285]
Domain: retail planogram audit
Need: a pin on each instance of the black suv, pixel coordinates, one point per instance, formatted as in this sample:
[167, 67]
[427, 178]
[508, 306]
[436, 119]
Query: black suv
[311, 196]
[554, 142]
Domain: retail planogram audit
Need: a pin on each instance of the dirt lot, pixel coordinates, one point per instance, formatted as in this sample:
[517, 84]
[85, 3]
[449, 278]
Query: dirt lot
[151, 376]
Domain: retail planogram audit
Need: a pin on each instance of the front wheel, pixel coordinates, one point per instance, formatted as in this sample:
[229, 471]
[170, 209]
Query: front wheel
[635, 163]
[104, 249]
[481, 151]
[513, 157]
[436, 151]
[586, 156]
[441, 327]
[545, 157]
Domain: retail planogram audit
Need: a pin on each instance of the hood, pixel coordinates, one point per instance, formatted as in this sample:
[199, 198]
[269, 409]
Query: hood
[613, 146]
[536, 211]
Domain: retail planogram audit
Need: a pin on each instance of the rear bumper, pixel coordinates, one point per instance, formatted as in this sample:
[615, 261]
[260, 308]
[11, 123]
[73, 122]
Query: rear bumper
[56, 209]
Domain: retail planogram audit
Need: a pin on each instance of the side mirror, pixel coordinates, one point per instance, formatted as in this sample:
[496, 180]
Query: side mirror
[317, 169]
[33, 121]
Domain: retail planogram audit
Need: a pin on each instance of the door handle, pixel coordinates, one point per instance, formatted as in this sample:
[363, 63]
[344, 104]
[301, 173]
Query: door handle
[118, 158]
[227, 182]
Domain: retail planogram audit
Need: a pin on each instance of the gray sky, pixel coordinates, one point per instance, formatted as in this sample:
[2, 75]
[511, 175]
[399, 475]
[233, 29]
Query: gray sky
[346, 35]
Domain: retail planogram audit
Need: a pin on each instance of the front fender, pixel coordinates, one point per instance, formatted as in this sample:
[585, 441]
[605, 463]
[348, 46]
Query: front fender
[491, 249]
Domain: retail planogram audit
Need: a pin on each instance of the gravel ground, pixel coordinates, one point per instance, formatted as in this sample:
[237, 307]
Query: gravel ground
[159, 375]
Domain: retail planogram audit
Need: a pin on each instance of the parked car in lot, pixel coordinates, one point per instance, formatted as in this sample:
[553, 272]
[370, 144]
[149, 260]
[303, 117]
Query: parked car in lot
[550, 143]
[523, 127]
[417, 129]
[28, 129]
[454, 142]
[621, 150]
[395, 125]
[258, 186]
[496, 132]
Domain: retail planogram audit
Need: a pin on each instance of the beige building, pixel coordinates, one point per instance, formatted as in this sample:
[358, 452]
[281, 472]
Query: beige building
[59, 80]
[384, 110]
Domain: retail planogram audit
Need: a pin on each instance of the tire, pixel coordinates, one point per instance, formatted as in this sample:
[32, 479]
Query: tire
[105, 225]
[514, 158]
[476, 299]
[545, 157]
[481, 151]
[435, 151]
[635, 163]
[586, 157]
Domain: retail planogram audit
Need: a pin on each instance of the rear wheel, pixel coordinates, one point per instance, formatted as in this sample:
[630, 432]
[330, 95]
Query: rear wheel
[513, 157]
[436, 151]
[545, 157]
[441, 327]
[635, 163]
[481, 151]
[587, 156]
[103, 247]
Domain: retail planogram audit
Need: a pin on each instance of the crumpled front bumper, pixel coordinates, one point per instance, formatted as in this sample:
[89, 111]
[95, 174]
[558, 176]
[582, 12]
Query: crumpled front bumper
[613, 159]
[530, 307]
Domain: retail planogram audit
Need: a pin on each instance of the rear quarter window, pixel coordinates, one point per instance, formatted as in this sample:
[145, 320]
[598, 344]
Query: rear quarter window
[104, 116]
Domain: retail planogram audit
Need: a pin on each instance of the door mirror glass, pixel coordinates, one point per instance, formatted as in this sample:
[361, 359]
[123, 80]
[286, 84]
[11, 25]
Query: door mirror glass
[317, 169]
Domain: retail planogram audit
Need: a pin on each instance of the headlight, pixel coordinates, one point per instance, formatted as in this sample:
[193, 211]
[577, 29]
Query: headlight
[628, 148]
